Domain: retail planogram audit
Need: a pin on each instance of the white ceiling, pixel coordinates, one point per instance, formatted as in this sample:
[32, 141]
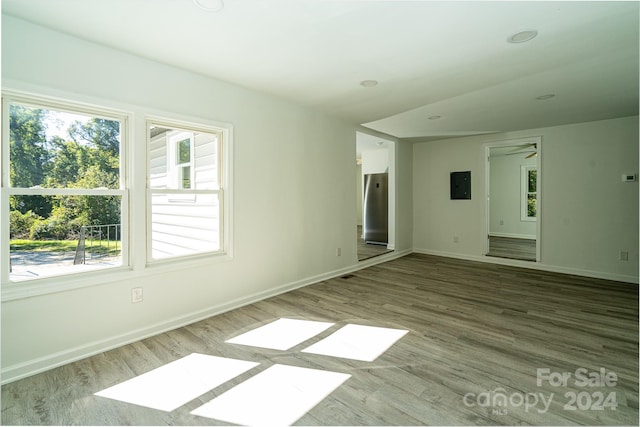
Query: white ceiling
[447, 59]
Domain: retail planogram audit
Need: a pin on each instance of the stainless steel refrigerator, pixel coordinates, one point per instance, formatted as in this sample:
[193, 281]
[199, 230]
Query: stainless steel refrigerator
[376, 208]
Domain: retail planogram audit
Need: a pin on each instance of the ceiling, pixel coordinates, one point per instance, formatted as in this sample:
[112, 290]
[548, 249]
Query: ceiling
[443, 68]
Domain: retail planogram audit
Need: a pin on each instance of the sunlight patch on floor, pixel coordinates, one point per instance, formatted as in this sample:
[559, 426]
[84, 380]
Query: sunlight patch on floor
[281, 334]
[357, 342]
[279, 395]
[174, 384]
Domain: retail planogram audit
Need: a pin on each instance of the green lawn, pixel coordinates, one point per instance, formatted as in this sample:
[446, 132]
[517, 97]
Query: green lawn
[63, 246]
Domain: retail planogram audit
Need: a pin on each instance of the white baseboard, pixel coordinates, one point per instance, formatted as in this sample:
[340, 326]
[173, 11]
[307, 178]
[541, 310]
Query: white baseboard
[513, 235]
[41, 364]
[533, 266]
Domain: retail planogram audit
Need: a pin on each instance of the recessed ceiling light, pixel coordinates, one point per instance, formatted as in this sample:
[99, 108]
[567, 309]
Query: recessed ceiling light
[369, 83]
[434, 117]
[209, 5]
[522, 36]
[547, 96]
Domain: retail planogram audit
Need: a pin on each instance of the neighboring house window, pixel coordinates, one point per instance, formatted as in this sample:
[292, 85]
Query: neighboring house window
[63, 189]
[529, 193]
[186, 191]
[181, 148]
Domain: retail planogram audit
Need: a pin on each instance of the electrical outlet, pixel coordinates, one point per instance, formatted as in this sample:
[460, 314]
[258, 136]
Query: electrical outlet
[136, 295]
[338, 251]
[456, 239]
[624, 256]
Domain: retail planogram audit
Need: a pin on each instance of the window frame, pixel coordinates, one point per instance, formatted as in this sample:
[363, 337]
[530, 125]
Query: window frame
[181, 127]
[524, 198]
[134, 163]
[57, 282]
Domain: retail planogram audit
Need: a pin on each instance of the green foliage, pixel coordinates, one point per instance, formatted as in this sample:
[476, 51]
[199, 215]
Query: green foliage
[532, 206]
[63, 223]
[30, 157]
[96, 247]
[43, 245]
[532, 187]
[28, 147]
[20, 223]
[88, 159]
[532, 184]
[101, 133]
[67, 164]
[40, 205]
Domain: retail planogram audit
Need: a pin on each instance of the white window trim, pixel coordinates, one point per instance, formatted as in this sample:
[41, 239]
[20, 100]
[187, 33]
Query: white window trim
[56, 283]
[135, 166]
[524, 193]
[224, 142]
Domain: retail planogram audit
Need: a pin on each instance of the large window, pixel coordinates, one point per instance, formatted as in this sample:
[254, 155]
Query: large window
[186, 191]
[63, 199]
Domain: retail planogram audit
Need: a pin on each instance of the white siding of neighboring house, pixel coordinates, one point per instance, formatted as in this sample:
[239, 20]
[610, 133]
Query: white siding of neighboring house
[183, 224]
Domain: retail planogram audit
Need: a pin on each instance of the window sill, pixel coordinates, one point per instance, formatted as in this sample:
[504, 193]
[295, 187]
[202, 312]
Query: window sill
[13, 291]
[53, 284]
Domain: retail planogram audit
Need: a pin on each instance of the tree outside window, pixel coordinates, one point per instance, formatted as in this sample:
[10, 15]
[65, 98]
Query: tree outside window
[64, 176]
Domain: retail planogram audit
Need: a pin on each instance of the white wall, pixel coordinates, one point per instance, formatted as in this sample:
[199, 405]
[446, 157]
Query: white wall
[375, 161]
[587, 214]
[506, 196]
[294, 198]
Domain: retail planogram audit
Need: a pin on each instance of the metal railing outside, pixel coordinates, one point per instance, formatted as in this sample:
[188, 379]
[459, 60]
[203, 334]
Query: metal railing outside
[97, 242]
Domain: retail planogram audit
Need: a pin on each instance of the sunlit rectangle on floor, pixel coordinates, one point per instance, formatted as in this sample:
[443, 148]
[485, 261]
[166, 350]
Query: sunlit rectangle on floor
[281, 334]
[277, 396]
[357, 342]
[174, 384]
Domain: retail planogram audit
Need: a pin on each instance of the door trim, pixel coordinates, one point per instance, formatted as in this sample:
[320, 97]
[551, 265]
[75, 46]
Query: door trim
[487, 188]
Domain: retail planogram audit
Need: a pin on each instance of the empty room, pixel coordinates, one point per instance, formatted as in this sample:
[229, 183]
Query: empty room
[319, 212]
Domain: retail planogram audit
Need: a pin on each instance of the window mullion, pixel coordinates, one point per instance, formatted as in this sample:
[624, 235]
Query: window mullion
[39, 191]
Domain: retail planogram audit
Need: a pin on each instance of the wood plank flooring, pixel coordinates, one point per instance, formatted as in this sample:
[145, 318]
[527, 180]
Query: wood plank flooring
[508, 247]
[475, 329]
[368, 250]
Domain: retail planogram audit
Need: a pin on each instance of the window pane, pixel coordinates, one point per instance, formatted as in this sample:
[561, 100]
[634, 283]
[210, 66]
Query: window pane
[184, 151]
[166, 168]
[186, 228]
[531, 205]
[80, 233]
[186, 177]
[184, 222]
[532, 180]
[56, 149]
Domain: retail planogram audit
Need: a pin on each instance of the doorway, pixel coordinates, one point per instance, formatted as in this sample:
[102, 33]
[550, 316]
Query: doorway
[375, 164]
[513, 199]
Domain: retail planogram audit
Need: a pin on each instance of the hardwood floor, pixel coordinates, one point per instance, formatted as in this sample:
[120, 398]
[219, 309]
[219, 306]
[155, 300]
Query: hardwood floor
[475, 330]
[507, 247]
[368, 250]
